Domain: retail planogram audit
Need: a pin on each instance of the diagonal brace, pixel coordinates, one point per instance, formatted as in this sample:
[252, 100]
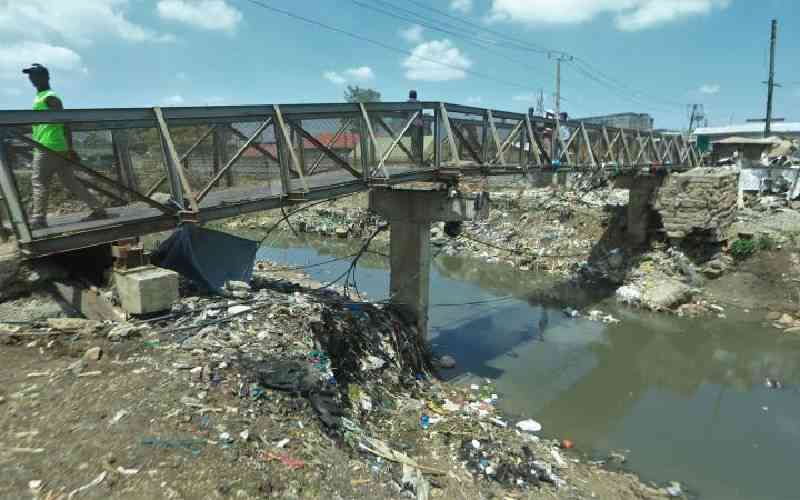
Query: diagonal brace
[325, 150]
[91, 173]
[233, 160]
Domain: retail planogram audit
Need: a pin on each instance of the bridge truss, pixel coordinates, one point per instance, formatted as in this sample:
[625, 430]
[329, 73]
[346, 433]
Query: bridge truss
[156, 167]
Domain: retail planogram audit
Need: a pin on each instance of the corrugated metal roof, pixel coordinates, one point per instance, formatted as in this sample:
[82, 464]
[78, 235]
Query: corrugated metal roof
[749, 140]
[750, 128]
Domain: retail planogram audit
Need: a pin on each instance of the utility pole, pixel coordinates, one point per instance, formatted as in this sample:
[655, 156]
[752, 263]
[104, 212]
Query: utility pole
[558, 56]
[771, 83]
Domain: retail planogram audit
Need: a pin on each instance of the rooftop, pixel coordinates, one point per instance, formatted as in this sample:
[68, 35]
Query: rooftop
[750, 128]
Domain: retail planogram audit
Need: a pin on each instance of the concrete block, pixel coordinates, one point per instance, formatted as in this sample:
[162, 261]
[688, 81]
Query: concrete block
[146, 289]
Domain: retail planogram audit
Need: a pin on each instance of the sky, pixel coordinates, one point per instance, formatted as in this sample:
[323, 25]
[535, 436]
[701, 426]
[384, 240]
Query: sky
[648, 56]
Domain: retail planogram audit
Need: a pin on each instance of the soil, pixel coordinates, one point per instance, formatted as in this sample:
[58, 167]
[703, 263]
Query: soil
[129, 425]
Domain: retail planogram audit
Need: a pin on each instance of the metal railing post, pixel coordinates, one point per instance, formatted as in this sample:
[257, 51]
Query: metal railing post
[19, 219]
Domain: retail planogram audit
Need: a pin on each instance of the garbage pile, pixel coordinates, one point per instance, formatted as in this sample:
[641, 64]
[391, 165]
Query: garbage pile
[354, 372]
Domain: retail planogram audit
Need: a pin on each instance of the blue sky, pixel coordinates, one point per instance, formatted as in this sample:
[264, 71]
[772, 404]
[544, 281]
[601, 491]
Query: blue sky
[653, 56]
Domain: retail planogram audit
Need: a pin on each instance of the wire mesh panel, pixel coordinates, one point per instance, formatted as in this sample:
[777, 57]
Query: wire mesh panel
[329, 147]
[399, 141]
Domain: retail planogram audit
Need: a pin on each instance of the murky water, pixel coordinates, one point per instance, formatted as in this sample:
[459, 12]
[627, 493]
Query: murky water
[686, 397]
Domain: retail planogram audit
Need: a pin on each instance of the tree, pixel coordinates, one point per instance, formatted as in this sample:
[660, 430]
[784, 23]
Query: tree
[357, 94]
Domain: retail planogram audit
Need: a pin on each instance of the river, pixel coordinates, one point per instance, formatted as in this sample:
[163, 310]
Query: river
[684, 399]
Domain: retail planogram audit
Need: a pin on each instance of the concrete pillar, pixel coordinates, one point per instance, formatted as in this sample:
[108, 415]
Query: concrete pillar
[640, 197]
[410, 213]
[410, 260]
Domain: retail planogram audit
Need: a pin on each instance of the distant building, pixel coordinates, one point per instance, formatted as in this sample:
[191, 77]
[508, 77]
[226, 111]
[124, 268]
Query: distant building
[705, 136]
[637, 121]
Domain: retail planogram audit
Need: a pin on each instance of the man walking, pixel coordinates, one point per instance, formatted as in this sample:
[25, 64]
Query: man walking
[57, 138]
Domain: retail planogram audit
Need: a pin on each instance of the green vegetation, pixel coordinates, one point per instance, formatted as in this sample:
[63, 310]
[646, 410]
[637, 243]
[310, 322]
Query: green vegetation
[742, 249]
[766, 242]
[357, 94]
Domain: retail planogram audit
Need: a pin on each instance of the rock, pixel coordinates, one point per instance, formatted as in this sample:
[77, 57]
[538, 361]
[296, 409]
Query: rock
[666, 295]
[123, 331]
[73, 324]
[446, 362]
[773, 316]
[93, 354]
[77, 367]
[629, 294]
[529, 425]
[794, 329]
[786, 320]
[237, 285]
[196, 374]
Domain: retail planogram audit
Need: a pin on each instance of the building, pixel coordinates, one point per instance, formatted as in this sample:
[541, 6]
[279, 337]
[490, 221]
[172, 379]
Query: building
[637, 121]
[708, 135]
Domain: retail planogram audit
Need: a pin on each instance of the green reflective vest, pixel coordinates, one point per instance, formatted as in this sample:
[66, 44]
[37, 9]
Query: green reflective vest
[51, 135]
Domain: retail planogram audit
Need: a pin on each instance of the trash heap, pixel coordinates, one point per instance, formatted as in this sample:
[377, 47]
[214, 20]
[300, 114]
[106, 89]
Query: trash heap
[301, 367]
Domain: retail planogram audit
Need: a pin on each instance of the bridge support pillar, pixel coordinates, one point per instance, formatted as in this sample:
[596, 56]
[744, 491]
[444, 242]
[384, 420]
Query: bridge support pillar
[641, 191]
[410, 213]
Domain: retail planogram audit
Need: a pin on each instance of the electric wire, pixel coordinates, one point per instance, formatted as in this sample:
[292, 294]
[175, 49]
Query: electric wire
[383, 45]
[517, 44]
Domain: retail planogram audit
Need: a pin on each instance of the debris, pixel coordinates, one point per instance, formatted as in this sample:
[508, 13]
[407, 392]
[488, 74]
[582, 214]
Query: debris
[93, 354]
[529, 425]
[35, 484]
[282, 443]
[90, 374]
[26, 450]
[567, 444]
[99, 479]
[291, 463]
[38, 374]
[674, 490]
[124, 331]
[117, 417]
[127, 472]
[446, 362]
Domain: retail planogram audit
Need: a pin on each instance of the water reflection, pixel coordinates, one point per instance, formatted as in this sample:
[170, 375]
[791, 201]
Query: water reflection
[687, 397]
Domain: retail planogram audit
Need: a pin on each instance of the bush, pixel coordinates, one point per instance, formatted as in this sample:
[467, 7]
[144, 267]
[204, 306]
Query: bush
[766, 242]
[742, 249]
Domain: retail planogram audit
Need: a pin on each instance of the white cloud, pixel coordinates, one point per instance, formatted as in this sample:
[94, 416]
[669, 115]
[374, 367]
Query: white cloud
[473, 101]
[75, 21]
[436, 61]
[359, 74]
[203, 14]
[629, 15]
[334, 77]
[173, 100]
[412, 34]
[464, 6]
[710, 88]
[16, 56]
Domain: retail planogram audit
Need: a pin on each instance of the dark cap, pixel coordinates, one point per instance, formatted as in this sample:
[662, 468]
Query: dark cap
[36, 69]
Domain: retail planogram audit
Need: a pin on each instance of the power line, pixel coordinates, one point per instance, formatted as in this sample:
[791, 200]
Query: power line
[519, 44]
[423, 22]
[383, 45]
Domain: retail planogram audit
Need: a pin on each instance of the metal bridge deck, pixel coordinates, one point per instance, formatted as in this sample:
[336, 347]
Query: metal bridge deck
[270, 156]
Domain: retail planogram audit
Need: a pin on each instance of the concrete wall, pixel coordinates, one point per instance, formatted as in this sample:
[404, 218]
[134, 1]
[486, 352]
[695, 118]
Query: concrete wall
[702, 200]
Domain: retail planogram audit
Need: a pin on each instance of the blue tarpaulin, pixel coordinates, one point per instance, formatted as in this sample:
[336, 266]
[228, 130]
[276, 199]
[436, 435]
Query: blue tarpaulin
[206, 257]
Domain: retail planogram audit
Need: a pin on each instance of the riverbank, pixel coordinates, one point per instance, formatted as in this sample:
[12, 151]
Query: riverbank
[284, 392]
[581, 239]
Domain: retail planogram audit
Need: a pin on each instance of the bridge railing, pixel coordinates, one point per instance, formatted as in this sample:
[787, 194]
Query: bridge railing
[152, 167]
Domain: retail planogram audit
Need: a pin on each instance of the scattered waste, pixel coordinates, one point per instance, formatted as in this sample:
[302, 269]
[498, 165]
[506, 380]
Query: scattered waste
[529, 425]
[99, 479]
